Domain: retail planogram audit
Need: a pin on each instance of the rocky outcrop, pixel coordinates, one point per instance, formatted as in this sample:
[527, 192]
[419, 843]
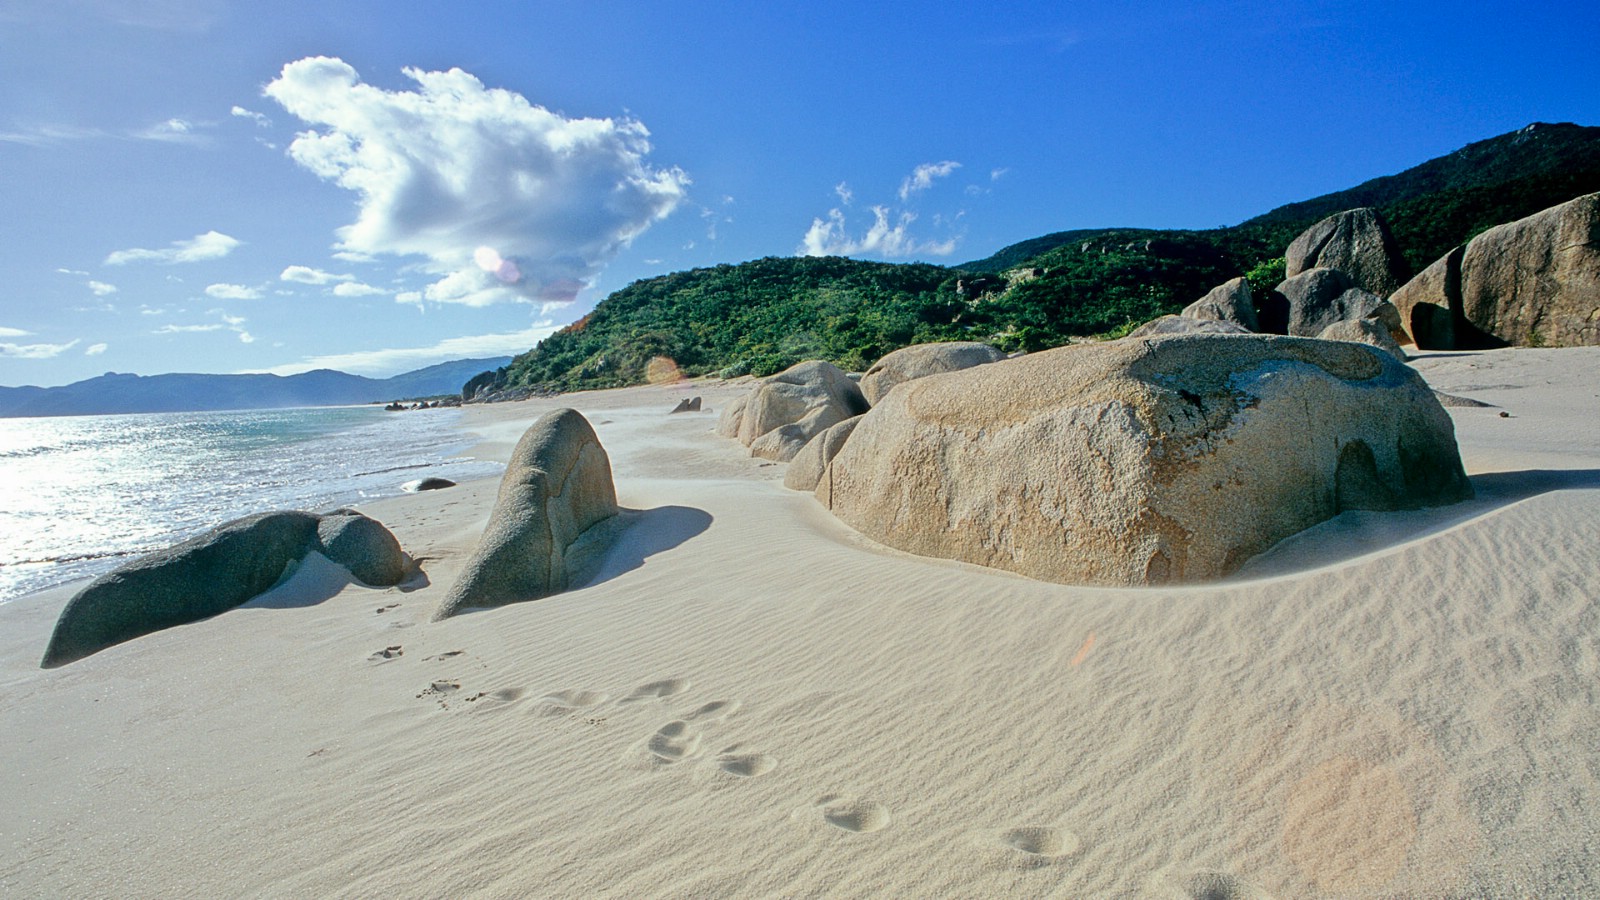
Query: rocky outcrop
[787, 410]
[1318, 298]
[1357, 242]
[1229, 302]
[1364, 331]
[1529, 283]
[1169, 325]
[215, 572]
[806, 469]
[687, 404]
[557, 485]
[920, 360]
[1143, 462]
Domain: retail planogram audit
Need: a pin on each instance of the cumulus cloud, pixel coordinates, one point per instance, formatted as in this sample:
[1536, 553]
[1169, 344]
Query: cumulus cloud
[232, 292]
[452, 169]
[35, 351]
[101, 289]
[308, 275]
[211, 245]
[924, 176]
[830, 237]
[394, 361]
[94, 349]
[357, 289]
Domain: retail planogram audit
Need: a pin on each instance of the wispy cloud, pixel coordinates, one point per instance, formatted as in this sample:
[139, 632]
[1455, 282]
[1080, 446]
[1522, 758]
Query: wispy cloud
[232, 292]
[227, 322]
[13, 332]
[394, 361]
[830, 237]
[454, 168]
[211, 245]
[169, 131]
[35, 351]
[924, 176]
[259, 118]
[95, 349]
[308, 275]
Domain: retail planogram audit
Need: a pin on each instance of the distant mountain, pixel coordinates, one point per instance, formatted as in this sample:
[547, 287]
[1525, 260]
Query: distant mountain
[120, 393]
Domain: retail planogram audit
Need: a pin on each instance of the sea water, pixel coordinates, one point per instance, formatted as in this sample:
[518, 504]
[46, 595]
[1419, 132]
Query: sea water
[80, 495]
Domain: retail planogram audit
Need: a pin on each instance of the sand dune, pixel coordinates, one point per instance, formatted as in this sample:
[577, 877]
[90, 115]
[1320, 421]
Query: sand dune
[745, 698]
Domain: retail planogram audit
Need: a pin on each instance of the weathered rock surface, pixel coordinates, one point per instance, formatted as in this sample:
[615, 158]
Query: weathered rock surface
[557, 484]
[215, 572]
[1144, 462]
[1536, 281]
[806, 469]
[1169, 325]
[1228, 302]
[787, 410]
[1364, 331]
[920, 360]
[1357, 242]
[1424, 303]
[1320, 297]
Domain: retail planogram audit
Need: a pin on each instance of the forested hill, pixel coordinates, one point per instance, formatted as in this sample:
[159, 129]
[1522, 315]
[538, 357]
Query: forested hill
[762, 316]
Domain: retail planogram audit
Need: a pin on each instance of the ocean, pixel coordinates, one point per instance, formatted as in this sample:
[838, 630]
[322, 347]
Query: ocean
[80, 495]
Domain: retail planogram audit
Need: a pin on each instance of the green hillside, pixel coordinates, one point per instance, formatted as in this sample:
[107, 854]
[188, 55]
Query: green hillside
[762, 316]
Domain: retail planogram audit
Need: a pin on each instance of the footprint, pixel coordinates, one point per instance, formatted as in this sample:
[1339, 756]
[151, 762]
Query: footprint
[746, 765]
[387, 653]
[384, 609]
[445, 655]
[562, 701]
[675, 741]
[508, 694]
[715, 711]
[1210, 886]
[851, 814]
[657, 690]
[1040, 841]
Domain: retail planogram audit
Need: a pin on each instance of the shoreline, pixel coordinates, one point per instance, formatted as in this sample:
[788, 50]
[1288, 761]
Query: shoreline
[747, 698]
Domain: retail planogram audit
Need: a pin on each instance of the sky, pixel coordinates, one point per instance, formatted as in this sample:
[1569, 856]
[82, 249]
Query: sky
[380, 185]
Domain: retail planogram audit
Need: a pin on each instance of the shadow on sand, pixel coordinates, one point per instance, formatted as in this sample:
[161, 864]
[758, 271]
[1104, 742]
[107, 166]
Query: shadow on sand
[634, 536]
[1357, 533]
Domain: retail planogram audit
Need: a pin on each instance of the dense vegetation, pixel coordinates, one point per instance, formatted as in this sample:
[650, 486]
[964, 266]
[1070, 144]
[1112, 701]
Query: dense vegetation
[760, 317]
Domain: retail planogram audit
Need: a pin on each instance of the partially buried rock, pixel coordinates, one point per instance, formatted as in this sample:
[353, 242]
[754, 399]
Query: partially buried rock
[920, 360]
[556, 486]
[1364, 331]
[687, 404]
[1229, 302]
[808, 466]
[1144, 462]
[432, 483]
[215, 572]
[790, 408]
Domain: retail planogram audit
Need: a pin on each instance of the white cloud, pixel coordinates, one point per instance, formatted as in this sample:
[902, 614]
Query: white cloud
[13, 332]
[101, 289]
[846, 196]
[923, 177]
[308, 275]
[187, 329]
[454, 167]
[172, 131]
[35, 351]
[357, 289]
[252, 115]
[232, 292]
[94, 350]
[246, 337]
[211, 245]
[831, 237]
[73, 272]
[392, 362]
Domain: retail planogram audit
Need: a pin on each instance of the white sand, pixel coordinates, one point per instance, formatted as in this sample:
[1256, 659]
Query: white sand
[750, 700]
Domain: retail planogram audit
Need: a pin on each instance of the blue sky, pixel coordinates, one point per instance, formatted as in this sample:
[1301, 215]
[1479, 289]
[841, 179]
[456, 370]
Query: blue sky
[378, 185]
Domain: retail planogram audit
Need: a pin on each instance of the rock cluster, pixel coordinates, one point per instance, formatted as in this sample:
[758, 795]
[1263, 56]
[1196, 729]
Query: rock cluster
[557, 485]
[1356, 242]
[790, 408]
[215, 572]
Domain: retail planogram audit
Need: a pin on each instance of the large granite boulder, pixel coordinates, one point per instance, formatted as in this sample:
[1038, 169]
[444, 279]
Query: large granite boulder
[920, 360]
[1364, 331]
[215, 572]
[787, 410]
[1532, 282]
[806, 469]
[1169, 325]
[1320, 297]
[556, 486]
[1357, 242]
[1228, 302]
[1143, 462]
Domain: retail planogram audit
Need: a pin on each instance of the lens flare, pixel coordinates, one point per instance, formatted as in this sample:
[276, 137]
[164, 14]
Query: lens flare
[490, 260]
[662, 370]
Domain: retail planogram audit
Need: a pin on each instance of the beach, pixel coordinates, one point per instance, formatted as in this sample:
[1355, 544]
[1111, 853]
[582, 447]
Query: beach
[745, 698]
